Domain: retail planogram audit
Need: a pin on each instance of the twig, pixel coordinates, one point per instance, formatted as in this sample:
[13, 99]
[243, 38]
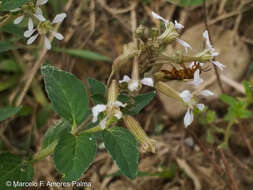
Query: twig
[207, 28]
[234, 185]
[187, 169]
[38, 64]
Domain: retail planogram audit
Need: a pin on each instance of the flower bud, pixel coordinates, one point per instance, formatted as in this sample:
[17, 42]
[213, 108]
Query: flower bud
[167, 90]
[169, 35]
[147, 144]
[113, 93]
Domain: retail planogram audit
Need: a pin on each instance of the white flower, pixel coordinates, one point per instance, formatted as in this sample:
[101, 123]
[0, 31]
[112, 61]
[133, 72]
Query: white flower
[188, 118]
[184, 44]
[219, 65]
[134, 84]
[178, 26]
[37, 13]
[96, 110]
[58, 19]
[99, 108]
[188, 98]
[213, 52]
[197, 80]
[156, 16]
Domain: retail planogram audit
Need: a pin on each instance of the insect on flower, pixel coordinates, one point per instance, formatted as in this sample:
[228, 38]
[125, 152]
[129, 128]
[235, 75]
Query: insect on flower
[185, 73]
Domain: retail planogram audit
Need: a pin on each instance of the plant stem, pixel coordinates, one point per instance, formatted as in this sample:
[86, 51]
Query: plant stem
[44, 152]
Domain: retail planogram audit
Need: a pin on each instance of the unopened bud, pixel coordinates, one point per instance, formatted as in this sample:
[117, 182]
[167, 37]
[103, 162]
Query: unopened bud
[113, 93]
[167, 90]
[147, 144]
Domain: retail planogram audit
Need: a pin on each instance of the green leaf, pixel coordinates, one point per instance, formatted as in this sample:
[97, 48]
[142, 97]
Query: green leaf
[247, 87]
[5, 113]
[9, 65]
[13, 29]
[140, 102]
[97, 91]
[43, 116]
[13, 168]
[8, 5]
[84, 54]
[9, 82]
[55, 132]
[186, 3]
[74, 154]
[228, 100]
[123, 148]
[67, 94]
[6, 46]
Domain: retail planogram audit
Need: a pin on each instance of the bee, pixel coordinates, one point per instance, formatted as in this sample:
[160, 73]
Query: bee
[185, 73]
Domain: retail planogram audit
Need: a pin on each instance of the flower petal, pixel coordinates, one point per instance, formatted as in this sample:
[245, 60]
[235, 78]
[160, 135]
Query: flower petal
[41, 2]
[156, 16]
[206, 93]
[58, 35]
[133, 85]
[186, 96]
[15, 10]
[184, 44]
[19, 19]
[47, 43]
[197, 80]
[148, 81]
[125, 79]
[201, 107]
[218, 64]
[59, 18]
[32, 39]
[178, 26]
[39, 15]
[188, 118]
[96, 110]
[119, 104]
[103, 123]
[30, 24]
[28, 33]
[118, 114]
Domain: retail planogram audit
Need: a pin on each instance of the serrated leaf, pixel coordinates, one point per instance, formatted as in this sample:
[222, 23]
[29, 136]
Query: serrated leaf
[67, 94]
[123, 148]
[140, 102]
[97, 91]
[84, 54]
[8, 5]
[13, 168]
[55, 132]
[5, 113]
[186, 3]
[74, 154]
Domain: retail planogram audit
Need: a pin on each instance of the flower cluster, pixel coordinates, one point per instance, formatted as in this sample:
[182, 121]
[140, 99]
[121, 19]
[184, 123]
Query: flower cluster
[33, 12]
[208, 55]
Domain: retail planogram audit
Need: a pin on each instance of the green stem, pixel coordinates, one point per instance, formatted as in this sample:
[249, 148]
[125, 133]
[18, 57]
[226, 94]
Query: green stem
[45, 152]
[94, 129]
[227, 131]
